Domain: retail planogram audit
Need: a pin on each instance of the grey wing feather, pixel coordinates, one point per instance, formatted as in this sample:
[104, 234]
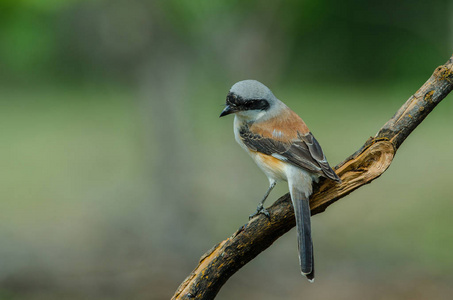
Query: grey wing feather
[317, 153]
[304, 152]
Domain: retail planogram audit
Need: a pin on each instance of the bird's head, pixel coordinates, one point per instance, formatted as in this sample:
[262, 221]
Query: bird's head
[249, 99]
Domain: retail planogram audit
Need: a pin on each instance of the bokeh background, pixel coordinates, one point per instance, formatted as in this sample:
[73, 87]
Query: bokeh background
[117, 174]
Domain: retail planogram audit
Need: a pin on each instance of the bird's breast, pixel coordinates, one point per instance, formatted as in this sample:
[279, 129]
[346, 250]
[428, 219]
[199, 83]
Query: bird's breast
[271, 166]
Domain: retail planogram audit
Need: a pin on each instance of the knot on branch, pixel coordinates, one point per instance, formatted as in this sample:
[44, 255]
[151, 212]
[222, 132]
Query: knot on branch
[444, 72]
[361, 169]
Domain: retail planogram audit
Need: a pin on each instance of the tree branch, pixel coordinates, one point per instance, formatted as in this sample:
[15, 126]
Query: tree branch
[218, 264]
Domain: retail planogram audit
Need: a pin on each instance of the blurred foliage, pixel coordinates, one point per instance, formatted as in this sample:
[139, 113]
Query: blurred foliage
[298, 40]
[117, 173]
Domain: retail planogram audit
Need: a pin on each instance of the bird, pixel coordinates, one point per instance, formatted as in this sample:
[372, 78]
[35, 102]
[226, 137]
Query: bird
[283, 147]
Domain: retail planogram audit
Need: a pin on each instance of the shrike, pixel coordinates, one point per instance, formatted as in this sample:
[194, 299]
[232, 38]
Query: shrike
[283, 147]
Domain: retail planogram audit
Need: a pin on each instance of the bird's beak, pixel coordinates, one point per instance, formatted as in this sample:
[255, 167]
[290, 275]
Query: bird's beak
[228, 110]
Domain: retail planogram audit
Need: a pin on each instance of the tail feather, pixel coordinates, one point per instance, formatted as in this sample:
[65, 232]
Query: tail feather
[303, 224]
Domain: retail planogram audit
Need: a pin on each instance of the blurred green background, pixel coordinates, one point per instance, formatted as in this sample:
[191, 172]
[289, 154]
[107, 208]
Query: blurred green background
[117, 173]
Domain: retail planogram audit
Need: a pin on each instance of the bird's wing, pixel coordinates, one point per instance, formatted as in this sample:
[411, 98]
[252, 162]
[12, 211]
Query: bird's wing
[302, 151]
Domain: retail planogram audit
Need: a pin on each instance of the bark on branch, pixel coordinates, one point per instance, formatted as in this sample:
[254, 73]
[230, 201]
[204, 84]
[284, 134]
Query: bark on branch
[218, 264]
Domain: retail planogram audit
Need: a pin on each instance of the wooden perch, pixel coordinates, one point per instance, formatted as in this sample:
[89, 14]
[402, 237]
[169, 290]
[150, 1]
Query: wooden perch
[218, 264]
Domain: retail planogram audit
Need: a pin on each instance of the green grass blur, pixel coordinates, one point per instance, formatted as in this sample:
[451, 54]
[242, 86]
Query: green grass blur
[117, 173]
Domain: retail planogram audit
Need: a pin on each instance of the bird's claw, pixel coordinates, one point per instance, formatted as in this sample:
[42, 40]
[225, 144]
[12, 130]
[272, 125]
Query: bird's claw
[260, 210]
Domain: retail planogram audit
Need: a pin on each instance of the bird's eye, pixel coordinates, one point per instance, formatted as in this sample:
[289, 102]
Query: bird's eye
[256, 104]
[264, 104]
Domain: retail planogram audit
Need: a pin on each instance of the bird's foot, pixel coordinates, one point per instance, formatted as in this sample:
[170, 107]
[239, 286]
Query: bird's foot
[260, 210]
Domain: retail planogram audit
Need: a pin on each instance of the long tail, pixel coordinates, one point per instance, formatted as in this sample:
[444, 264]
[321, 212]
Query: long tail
[305, 243]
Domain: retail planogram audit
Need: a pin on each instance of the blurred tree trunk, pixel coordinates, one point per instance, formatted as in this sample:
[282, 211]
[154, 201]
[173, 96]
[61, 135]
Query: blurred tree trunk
[163, 91]
[362, 167]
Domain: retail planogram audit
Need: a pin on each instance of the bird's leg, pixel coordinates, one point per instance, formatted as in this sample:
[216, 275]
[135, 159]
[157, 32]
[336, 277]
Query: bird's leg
[260, 209]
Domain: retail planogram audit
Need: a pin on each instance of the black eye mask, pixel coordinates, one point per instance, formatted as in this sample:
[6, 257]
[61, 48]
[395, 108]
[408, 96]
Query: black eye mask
[250, 104]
